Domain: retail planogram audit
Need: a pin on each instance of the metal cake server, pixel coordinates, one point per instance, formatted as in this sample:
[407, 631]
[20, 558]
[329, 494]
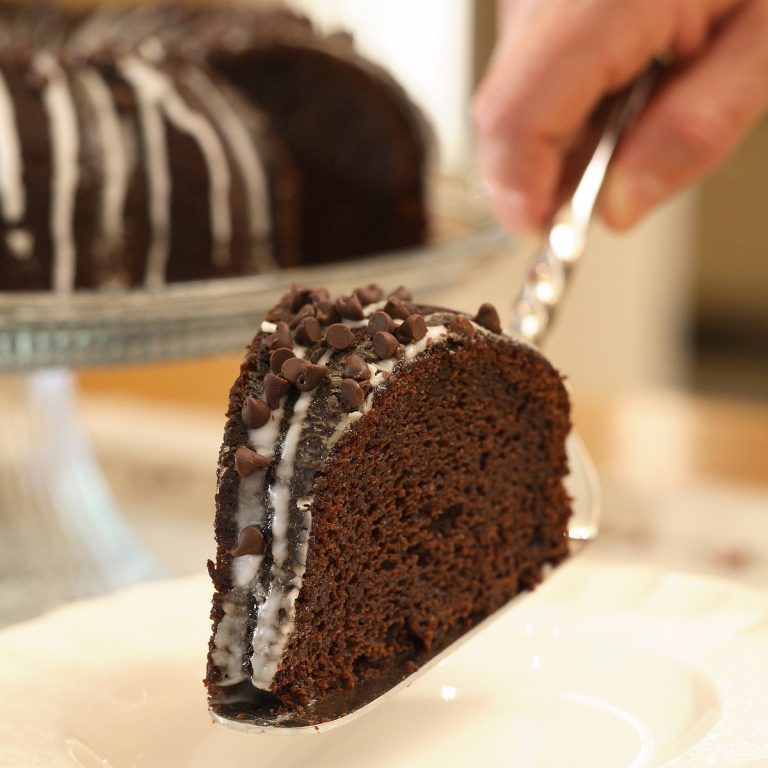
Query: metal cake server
[566, 240]
[542, 291]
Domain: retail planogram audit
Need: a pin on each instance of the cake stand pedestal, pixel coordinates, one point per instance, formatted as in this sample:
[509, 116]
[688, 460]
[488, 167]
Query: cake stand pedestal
[61, 534]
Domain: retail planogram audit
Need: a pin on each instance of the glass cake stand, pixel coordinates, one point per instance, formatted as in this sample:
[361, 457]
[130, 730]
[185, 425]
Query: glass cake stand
[61, 534]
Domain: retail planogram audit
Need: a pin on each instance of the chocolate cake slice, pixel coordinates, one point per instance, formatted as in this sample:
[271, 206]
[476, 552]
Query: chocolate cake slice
[391, 474]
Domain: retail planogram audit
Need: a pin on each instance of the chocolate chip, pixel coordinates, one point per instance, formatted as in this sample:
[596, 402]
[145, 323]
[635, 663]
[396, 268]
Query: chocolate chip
[488, 317]
[385, 344]
[327, 313]
[310, 376]
[380, 321]
[250, 542]
[349, 307]
[297, 297]
[248, 461]
[369, 294]
[255, 412]
[306, 311]
[462, 326]
[308, 331]
[281, 337]
[292, 368]
[339, 336]
[396, 308]
[352, 393]
[413, 328]
[317, 295]
[278, 357]
[402, 293]
[274, 388]
[356, 368]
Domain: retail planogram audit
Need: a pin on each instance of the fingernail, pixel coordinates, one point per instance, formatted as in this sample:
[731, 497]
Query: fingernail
[627, 197]
[514, 208]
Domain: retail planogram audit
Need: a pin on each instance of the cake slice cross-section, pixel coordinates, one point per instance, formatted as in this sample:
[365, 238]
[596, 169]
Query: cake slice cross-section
[391, 475]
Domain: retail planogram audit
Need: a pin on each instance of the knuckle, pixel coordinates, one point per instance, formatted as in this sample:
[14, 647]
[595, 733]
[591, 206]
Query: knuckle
[706, 135]
[491, 112]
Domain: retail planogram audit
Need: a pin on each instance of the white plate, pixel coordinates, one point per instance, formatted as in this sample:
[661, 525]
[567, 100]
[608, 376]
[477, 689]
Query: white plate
[601, 666]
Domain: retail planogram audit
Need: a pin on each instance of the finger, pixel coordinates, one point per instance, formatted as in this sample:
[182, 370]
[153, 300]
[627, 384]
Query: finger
[545, 79]
[694, 121]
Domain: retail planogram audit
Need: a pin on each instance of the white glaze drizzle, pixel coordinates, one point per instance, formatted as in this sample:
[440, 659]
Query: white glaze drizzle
[248, 159]
[114, 154]
[12, 191]
[155, 168]
[198, 127]
[158, 96]
[65, 144]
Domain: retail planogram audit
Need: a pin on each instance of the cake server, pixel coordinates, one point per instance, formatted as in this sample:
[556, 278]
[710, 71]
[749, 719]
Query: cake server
[566, 241]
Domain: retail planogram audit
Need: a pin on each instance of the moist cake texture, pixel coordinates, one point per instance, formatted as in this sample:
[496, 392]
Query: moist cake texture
[391, 474]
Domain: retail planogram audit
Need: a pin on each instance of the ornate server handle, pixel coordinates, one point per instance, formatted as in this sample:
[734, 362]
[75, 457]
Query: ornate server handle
[553, 263]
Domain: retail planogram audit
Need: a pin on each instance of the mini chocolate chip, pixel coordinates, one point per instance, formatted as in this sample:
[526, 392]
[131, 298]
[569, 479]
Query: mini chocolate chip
[255, 412]
[327, 313]
[250, 542]
[462, 326]
[292, 368]
[248, 461]
[349, 307]
[297, 297]
[352, 393]
[307, 310]
[402, 293]
[488, 317]
[356, 368]
[369, 294]
[339, 336]
[274, 388]
[278, 357]
[308, 331]
[380, 321]
[317, 295]
[310, 376]
[281, 337]
[274, 314]
[396, 308]
[385, 344]
[413, 328]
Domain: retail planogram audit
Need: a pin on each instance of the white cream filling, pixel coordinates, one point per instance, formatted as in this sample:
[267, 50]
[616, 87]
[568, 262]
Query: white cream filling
[276, 615]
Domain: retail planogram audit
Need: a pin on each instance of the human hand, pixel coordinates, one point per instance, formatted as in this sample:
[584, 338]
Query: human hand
[556, 59]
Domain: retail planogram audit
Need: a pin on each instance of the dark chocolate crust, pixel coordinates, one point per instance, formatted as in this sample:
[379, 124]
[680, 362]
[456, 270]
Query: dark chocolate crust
[434, 509]
[361, 142]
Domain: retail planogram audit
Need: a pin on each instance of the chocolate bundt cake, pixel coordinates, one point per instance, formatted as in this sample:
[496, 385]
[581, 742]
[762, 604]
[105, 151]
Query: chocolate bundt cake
[391, 474]
[175, 142]
[126, 172]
